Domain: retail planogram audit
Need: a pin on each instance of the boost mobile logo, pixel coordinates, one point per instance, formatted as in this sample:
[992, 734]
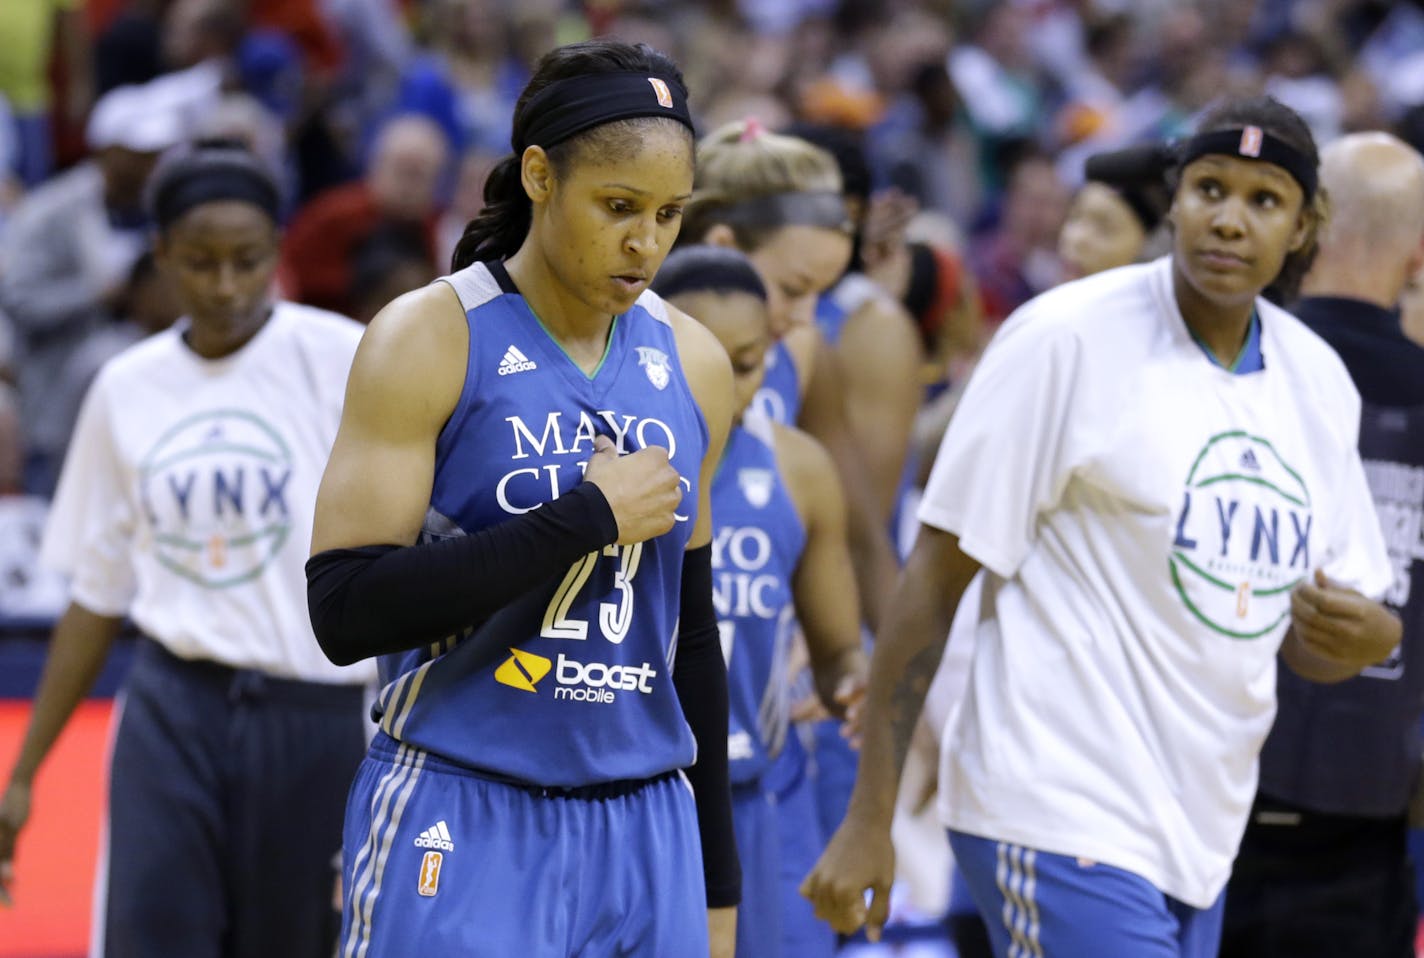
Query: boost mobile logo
[577, 681]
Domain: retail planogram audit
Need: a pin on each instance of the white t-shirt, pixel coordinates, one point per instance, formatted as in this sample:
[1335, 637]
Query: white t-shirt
[1143, 515]
[188, 493]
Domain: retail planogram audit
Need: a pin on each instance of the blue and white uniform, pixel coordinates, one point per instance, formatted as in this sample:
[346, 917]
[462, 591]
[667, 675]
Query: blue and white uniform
[779, 398]
[536, 755]
[757, 543]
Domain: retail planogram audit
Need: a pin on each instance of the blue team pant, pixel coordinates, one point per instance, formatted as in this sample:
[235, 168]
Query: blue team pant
[439, 860]
[1037, 904]
[803, 935]
[754, 814]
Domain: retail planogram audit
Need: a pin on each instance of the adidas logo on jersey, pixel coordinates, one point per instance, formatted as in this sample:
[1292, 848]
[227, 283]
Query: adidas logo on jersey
[1248, 461]
[436, 836]
[515, 362]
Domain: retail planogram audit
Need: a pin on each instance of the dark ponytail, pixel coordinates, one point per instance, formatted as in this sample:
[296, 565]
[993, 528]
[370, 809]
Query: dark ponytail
[499, 229]
[502, 225]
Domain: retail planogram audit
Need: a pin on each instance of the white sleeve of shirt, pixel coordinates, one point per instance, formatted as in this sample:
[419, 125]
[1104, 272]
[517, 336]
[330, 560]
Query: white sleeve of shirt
[89, 532]
[1007, 453]
[1356, 556]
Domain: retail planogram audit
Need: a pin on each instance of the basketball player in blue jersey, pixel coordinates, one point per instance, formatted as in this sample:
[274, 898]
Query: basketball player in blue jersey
[1182, 502]
[779, 555]
[778, 200]
[515, 519]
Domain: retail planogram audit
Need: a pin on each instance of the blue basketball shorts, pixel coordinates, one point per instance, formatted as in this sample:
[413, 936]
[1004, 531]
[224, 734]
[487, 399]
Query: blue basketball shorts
[803, 935]
[754, 814]
[1037, 904]
[439, 860]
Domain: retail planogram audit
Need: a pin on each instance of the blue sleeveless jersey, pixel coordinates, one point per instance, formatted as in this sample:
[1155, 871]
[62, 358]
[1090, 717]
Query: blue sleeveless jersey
[757, 543]
[779, 398]
[569, 684]
[831, 317]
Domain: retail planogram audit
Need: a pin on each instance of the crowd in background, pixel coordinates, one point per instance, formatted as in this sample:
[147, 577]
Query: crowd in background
[384, 117]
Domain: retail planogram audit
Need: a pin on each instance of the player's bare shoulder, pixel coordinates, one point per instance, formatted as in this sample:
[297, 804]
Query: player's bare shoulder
[807, 469]
[414, 354]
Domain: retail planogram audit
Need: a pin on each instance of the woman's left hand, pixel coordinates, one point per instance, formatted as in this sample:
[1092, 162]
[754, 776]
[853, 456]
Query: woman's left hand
[1341, 625]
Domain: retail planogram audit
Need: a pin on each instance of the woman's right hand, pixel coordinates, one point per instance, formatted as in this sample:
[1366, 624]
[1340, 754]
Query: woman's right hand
[859, 857]
[14, 812]
[642, 489]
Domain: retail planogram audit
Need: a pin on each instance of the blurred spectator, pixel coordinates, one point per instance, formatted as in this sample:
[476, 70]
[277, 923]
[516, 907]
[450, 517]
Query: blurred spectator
[390, 262]
[11, 188]
[33, 30]
[129, 49]
[26, 590]
[68, 254]
[144, 307]
[996, 76]
[1017, 259]
[466, 201]
[934, 155]
[243, 119]
[400, 187]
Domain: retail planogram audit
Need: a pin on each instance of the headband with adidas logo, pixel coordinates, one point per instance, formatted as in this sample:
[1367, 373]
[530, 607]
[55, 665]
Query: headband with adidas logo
[567, 107]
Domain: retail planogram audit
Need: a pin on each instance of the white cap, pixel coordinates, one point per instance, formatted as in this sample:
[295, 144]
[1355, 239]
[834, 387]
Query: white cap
[129, 117]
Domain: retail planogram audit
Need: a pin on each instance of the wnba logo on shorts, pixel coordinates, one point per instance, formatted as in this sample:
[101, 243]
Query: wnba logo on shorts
[430, 874]
[1242, 537]
[661, 89]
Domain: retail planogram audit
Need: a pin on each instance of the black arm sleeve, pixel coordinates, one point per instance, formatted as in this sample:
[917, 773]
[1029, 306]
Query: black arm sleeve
[700, 677]
[380, 599]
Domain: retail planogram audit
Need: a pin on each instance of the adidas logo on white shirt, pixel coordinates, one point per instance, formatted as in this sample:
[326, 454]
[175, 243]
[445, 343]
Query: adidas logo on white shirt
[436, 836]
[1248, 461]
[515, 362]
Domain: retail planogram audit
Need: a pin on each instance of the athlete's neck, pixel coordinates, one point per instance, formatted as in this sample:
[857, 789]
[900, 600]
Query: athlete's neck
[212, 339]
[1221, 327]
[581, 331]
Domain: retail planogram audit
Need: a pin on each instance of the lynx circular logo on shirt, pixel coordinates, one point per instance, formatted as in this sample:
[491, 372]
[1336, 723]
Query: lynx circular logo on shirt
[214, 487]
[1242, 536]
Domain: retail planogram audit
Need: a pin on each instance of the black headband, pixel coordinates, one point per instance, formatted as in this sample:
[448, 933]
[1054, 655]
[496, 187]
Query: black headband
[1253, 143]
[701, 276]
[567, 107]
[193, 187]
[821, 209]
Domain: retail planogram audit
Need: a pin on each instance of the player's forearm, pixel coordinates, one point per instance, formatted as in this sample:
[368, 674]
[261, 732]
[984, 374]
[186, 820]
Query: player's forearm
[907, 654]
[78, 648]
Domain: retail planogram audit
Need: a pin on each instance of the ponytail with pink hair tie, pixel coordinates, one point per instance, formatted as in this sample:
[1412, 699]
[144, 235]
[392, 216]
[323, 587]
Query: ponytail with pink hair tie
[752, 130]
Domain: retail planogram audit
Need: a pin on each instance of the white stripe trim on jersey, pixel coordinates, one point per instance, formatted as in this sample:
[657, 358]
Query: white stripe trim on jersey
[385, 852]
[474, 285]
[364, 862]
[398, 726]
